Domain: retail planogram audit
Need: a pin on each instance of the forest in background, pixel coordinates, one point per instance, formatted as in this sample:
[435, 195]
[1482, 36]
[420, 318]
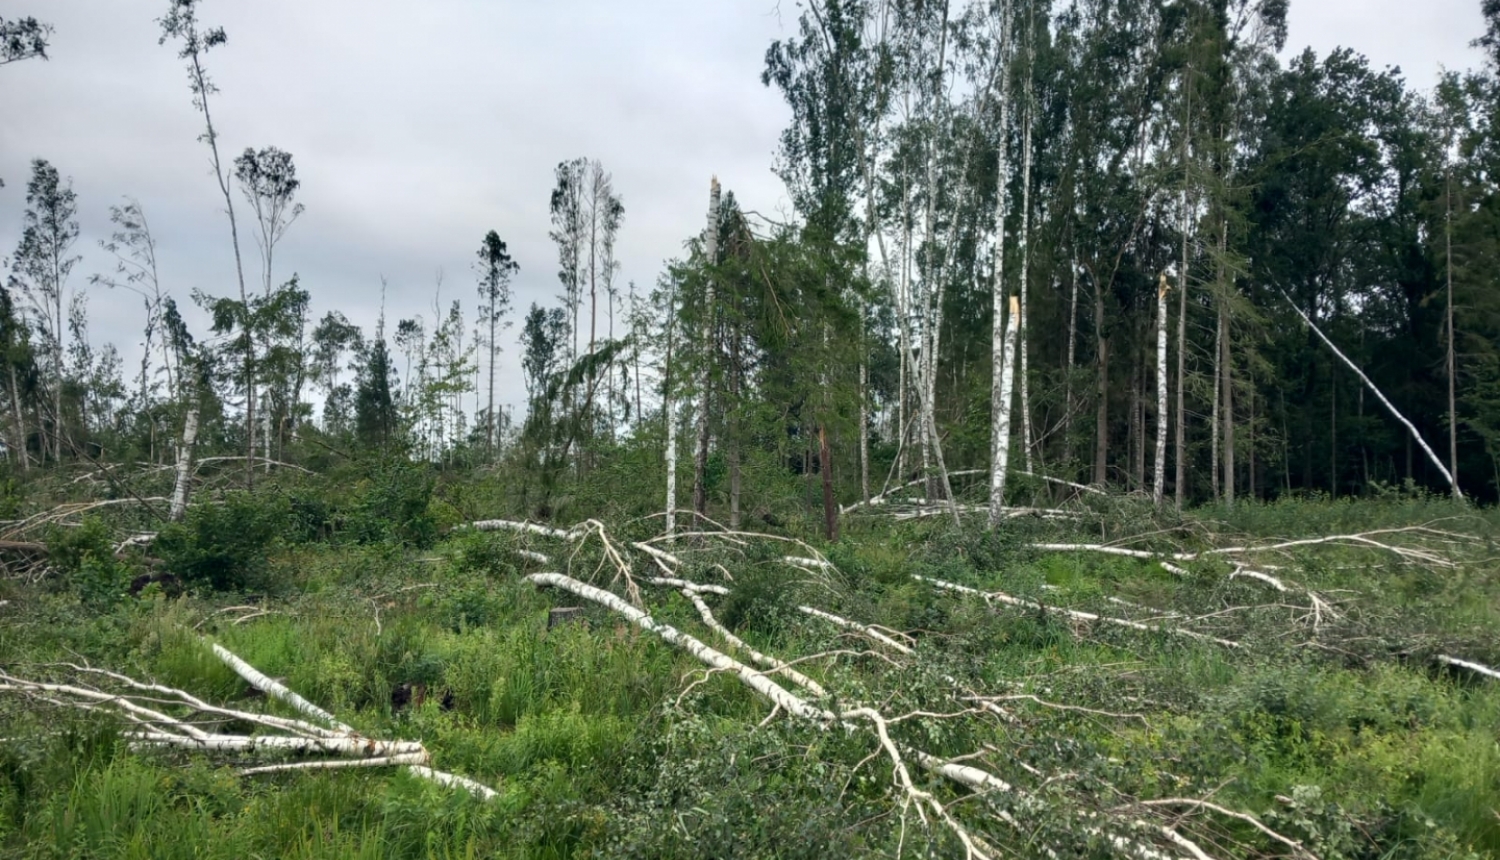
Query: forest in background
[1100, 463]
[1126, 171]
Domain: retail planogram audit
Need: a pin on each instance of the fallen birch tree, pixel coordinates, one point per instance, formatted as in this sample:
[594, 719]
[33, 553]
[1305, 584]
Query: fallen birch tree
[162, 717]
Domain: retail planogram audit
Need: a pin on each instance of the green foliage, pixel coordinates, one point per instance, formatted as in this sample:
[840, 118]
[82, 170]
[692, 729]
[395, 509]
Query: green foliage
[225, 546]
[85, 556]
[393, 504]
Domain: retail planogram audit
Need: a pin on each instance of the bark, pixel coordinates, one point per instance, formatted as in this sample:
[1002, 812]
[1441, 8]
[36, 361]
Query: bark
[1158, 486]
[755, 680]
[1410, 428]
[864, 417]
[1213, 419]
[1002, 336]
[710, 248]
[1024, 239]
[15, 405]
[184, 465]
[1226, 367]
[1101, 416]
[1072, 362]
[825, 468]
[669, 415]
[734, 428]
[1179, 489]
[1077, 615]
[1000, 431]
[255, 678]
[1451, 357]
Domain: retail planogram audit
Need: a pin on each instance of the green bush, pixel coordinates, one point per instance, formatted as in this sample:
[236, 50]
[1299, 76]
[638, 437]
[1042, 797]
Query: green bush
[393, 505]
[85, 556]
[224, 546]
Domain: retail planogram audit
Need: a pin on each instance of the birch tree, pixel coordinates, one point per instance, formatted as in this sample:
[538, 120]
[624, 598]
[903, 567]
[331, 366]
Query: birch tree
[181, 24]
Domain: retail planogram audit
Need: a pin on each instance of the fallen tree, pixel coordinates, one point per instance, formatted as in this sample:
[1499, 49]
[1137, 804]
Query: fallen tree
[162, 717]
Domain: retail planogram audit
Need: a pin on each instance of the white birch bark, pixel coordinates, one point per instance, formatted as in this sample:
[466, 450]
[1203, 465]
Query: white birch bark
[1410, 428]
[755, 680]
[1000, 334]
[184, 466]
[1159, 479]
[255, 678]
[1000, 441]
[710, 250]
[1024, 240]
[671, 413]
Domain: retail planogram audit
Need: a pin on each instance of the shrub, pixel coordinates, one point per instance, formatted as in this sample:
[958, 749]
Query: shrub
[393, 505]
[224, 545]
[85, 556]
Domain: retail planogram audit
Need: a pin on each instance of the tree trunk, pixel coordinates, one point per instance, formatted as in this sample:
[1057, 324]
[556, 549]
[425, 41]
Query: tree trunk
[864, 423]
[1159, 479]
[1413, 435]
[1179, 489]
[1251, 426]
[1072, 363]
[1101, 417]
[1002, 336]
[1226, 366]
[669, 416]
[1000, 433]
[15, 405]
[732, 414]
[239, 268]
[1452, 359]
[825, 467]
[1213, 420]
[184, 465]
[490, 430]
[710, 248]
[1024, 238]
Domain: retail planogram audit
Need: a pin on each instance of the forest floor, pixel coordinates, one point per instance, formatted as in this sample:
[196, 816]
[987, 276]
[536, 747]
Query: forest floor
[1270, 700]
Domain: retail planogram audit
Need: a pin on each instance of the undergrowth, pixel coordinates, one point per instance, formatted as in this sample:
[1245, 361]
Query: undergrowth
[603, 741]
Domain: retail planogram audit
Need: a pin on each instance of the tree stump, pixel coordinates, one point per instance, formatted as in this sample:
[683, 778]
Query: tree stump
[564, 615]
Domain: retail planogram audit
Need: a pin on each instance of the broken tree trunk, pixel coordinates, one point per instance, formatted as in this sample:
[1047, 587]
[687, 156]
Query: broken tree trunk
[1410, 428]
[710, 250]
[1000, 430]
[184, 466]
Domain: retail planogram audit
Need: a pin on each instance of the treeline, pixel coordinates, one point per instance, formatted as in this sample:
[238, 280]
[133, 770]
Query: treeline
[1088, 157]
[1093, 240]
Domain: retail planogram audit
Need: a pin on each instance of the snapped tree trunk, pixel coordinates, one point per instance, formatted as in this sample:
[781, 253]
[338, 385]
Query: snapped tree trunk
[1000, 432]
[180, 487]
[1410, 428]
[710, 249]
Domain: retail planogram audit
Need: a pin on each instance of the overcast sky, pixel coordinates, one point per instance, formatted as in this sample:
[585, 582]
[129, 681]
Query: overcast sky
[417, 127]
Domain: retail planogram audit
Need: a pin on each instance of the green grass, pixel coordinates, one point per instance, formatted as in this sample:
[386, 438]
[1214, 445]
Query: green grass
[604, 742]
